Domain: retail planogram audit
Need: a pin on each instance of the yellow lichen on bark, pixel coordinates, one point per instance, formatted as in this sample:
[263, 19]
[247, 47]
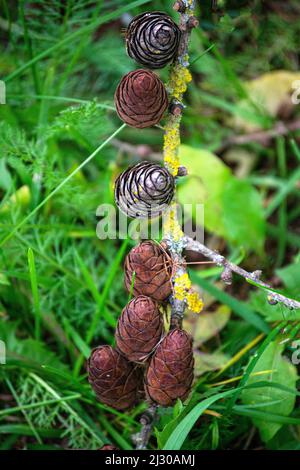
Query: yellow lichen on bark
[171, 145]
[171, 225]
[182, 290]
[182, 285]
[194, 302]
[177, 86]
[180, 77]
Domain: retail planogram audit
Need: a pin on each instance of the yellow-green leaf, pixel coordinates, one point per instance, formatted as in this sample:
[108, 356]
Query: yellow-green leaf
[271, 399]
[205, 184]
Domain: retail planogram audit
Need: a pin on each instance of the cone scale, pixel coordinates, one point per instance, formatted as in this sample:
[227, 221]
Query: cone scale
[141, 99]
[148, 271]
[140, 328]
[170, 373]
[144, 190]
[152, 39]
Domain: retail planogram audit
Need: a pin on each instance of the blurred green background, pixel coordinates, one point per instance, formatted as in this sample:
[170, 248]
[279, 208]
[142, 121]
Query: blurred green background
[61, 289]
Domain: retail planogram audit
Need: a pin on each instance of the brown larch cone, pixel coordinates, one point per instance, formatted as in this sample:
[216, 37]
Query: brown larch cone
[114, 380]
[108, 447]
[141, 99]
[139, 329]
[170, 372]
[152, 266]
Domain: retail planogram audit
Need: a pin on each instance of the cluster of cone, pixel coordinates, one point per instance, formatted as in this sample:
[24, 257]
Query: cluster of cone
[152, 39]
[146, 361]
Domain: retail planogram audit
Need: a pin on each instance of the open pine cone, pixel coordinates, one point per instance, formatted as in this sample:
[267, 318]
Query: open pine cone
[139, 329]
[152, 39]
[170, 372]
[114, 380]
[141, 99]
[144, 190]
[152, 266]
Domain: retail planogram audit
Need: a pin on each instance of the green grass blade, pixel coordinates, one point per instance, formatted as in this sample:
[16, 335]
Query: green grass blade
[89, 28]
[24, 430]
[8, 443]
[267, 384]
[28, 44]
[282, 193]
[101, 300]
[35, 293]
[51, 261]
[228, 70]
[114, 434]
[292, 238]
[131, 287]
[295, 149]
[263, 415]
[76, 338]
[235, 109]
[91, 286]
[109, 281]
[207, 50]
[178, 436]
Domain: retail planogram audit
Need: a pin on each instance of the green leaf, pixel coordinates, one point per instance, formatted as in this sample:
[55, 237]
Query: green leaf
[232, 208]
[283, 372]
[208, 176]
[162, 436]
[243, 216]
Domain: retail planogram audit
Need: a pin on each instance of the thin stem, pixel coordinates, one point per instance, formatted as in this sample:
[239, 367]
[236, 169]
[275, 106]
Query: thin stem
[229, 268]
[179, 73]
[147, 420]
[65, 99]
